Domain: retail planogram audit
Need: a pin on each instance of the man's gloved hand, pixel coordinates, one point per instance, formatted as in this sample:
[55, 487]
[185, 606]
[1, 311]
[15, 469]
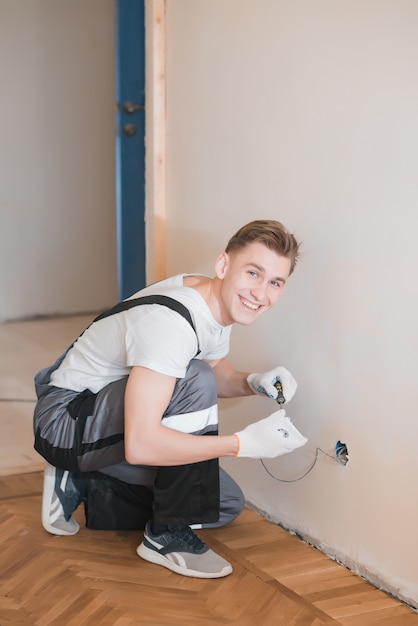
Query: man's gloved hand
[270, 437]
[263, 384]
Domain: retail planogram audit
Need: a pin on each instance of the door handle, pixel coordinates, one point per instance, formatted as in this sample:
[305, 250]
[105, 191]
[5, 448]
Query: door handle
[132, 107]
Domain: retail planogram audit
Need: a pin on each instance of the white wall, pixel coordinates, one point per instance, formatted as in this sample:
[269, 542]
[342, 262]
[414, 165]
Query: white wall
[307, 112]
[57, 174]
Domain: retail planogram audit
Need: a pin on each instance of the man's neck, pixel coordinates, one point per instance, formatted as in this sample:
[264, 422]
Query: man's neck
[209, 290]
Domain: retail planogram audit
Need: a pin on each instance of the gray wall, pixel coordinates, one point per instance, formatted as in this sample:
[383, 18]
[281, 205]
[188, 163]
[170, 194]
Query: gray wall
[307, 112]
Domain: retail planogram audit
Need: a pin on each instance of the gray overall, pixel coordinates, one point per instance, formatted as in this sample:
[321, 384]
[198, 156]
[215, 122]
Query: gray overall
[84, 433]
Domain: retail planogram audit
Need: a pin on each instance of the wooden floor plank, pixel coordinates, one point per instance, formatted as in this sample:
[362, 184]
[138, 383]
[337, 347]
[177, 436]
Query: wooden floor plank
[96, 577]
[366, 601]
[312, 581]
[395, 616]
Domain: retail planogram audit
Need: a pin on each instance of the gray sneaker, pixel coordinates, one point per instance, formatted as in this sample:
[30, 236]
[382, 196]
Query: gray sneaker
[183, 552]
[54, 518]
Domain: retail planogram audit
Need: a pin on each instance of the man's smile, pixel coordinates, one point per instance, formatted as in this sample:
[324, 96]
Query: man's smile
[250, 305]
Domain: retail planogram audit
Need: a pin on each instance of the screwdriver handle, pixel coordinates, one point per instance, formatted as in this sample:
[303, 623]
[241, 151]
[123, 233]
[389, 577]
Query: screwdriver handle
[280, 397]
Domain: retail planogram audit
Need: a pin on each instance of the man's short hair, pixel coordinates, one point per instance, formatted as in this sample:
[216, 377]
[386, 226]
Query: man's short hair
[270, 233]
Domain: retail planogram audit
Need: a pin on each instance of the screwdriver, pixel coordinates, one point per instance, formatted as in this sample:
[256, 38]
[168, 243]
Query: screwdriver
[280, 397]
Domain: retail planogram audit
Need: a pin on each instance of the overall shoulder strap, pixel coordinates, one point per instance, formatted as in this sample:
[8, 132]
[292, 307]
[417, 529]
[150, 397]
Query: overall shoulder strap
[42, 378]
[153, 299]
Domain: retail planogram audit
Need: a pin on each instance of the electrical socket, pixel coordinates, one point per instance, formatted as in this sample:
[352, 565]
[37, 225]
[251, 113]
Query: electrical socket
[341, 453]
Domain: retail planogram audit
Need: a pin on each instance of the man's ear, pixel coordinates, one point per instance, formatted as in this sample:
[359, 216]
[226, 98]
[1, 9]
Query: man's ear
[221, 265]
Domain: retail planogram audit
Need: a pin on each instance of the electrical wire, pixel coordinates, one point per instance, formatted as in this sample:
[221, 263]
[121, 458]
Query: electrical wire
[295, 480]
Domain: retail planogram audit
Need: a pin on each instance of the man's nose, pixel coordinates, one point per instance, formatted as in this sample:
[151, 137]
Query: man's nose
[259, 292]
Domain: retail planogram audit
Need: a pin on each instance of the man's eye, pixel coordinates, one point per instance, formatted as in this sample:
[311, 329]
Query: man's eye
[252, 273]
[275, 283]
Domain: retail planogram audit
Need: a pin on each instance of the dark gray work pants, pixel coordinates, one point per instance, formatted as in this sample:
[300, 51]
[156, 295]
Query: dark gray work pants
[83, 432]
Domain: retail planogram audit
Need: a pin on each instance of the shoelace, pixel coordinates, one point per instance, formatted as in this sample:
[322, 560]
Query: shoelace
[187, 536]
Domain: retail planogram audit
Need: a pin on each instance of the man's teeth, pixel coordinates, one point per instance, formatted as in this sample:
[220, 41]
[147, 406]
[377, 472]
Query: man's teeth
[254, 307]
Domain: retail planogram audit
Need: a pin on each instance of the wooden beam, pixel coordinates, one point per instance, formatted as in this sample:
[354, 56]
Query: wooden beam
[155, 185]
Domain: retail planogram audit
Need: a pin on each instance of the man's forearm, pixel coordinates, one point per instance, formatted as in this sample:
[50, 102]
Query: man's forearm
[231, 383]
[166, 447]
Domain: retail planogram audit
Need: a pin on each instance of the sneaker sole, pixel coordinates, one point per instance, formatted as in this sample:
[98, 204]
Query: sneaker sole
[154, 557]
[48, 492]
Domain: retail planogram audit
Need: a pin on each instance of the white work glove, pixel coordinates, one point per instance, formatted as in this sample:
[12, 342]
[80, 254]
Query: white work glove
[270, 437]
[263, 384]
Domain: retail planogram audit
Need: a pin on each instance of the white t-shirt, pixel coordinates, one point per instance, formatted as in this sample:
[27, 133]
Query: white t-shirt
[149, 335]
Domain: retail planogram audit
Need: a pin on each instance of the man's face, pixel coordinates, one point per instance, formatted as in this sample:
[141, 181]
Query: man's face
[252, 279]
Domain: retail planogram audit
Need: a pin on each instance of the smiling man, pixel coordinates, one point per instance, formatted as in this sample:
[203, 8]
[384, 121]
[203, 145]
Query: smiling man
[129, 412]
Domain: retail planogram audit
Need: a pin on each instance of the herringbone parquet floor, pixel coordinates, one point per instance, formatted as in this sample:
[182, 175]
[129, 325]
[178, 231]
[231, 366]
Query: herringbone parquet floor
[96, 579]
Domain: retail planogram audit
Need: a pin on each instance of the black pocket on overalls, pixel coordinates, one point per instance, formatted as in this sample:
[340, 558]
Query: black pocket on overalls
[80, 408]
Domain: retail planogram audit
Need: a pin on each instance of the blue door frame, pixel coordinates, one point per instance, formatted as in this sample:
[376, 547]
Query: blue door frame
[130, 146]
